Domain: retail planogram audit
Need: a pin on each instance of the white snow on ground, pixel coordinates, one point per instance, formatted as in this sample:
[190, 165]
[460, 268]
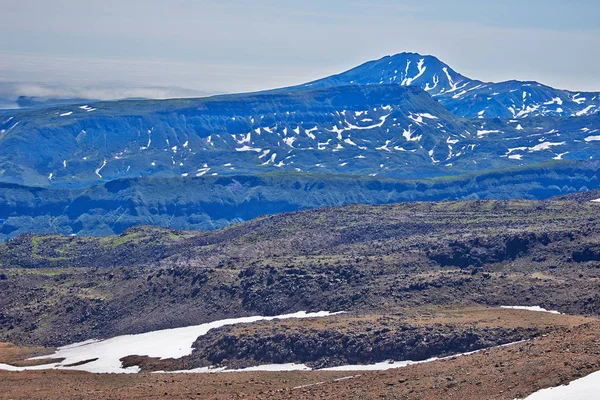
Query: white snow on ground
[408, 135]
[592, 138]
[168, 343]
[379, 125]
[289, 141]
[560, 156]
[381, 366]
[484, 132]
[248, 148]
[517, 149]
[556, 100]
[264, 154]
[530, 308]
[9, 129]
[418, 119]
[586, 388]
[578, 99]
[323, 145]
[526, 111]
[100, 169]
[309, 132]
[596, 201]
[202, 171]
[545, 146]
[436, 80]
[516, 157]
[460, 94]
[66, 114]
[421, 69]
[271, 160]
[454, 85]
[245, 138]
[12, 368]
[267, 368]
[385, 147]
[584, 111]
[427, 115]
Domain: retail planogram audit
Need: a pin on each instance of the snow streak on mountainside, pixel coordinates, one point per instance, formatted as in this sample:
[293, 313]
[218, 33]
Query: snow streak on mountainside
[463, 96]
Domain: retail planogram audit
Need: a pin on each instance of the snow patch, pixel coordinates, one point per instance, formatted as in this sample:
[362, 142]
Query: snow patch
[530, 308]
[248, 148]
[586, 388]
[421, 68]
[545, 146]
[168, 343]
[585, 111]
[289, 141]
[100, 169]
[482, 133]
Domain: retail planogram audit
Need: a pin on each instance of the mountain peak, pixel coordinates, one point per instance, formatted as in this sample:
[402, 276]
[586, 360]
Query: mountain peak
[405, 69]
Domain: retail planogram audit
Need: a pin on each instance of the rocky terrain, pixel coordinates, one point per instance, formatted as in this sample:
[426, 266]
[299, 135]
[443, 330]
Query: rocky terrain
[415, 280]
[416, 334]
[56, 289]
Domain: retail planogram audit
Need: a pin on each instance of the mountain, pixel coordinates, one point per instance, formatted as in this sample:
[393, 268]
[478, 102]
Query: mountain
[464, 96]
[212, 202]
[377, 130]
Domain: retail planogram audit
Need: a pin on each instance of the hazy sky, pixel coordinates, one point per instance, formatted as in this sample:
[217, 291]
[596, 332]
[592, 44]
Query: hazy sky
[111, 47]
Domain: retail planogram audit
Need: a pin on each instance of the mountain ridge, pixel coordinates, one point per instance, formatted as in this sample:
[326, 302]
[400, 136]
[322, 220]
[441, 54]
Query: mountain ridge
[378, 130]
[463, 96]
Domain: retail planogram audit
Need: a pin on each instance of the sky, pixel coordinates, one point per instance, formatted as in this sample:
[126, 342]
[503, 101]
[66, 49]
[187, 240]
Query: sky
[169, 48]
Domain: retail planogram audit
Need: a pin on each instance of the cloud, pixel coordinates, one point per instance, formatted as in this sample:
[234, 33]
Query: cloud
[10, 92]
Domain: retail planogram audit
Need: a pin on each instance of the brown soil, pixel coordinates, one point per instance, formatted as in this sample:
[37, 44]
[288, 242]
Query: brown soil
[570, 352]
[18, 355]
[34, 385]
[511, 372]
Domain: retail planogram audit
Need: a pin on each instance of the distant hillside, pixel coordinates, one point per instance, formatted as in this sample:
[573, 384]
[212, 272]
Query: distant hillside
[376, 130]
[213, 202]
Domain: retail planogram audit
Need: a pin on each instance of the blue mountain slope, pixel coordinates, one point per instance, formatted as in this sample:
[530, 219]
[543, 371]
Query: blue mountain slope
[376, 130]
[464, 96]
